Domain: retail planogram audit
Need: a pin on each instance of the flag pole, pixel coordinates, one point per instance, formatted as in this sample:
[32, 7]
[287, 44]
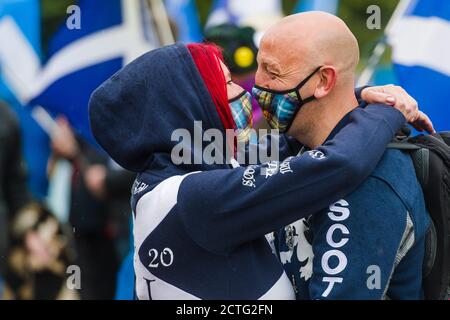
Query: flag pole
[380, 48]
[161, 19]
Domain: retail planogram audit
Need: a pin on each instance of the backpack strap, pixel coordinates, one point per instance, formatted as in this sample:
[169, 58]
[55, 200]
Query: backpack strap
[402, 145]
[436, 143]
[420, 156]
[420, 146]
[445, 135]
[430, 250]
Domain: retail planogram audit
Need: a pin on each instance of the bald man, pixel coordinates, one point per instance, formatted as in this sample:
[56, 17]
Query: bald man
[370, 244]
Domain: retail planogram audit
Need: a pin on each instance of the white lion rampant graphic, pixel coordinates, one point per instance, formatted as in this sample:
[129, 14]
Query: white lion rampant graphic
[303, 248]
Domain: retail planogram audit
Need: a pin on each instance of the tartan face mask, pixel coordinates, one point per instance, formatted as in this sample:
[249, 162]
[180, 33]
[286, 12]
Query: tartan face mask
[280, 107]
[241, 110]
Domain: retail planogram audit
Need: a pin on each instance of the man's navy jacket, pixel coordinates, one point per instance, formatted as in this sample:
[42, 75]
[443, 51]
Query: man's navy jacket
[368, 245]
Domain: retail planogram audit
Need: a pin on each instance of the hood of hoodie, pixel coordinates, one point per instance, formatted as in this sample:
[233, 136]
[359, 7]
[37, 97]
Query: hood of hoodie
[134, 113]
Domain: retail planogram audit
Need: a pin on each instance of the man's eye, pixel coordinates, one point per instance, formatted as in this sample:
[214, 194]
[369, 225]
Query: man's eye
[271, 73]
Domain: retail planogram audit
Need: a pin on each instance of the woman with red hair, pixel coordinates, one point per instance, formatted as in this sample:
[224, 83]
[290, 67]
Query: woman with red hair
[233, 103]
[199, 224]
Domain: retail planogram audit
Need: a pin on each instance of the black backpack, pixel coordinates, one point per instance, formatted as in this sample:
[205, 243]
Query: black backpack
[431, 158]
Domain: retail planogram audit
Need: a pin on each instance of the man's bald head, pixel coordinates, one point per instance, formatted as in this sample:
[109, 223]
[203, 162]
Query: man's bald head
[296, 46]
[301, 42]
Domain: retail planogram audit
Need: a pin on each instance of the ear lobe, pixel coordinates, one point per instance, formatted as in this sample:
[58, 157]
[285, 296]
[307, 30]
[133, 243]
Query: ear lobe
[327, 82]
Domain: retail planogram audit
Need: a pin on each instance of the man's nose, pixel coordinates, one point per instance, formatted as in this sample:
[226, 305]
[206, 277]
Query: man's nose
[262, 79]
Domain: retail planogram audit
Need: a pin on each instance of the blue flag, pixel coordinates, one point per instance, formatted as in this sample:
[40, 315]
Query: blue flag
[24, 17]
[184, 14]
[111, 33]
[421, 55]
[330, 6]
[20, 27]
[256, 13]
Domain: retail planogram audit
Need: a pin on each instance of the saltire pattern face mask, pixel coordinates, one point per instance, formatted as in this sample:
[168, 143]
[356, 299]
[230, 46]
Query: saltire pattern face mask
[280, 107]
[241, 110]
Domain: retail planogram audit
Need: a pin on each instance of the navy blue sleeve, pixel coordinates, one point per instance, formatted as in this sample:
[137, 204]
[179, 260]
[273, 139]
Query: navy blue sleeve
[222, 209]
[286, 146]
[361, 102]
[289, 146]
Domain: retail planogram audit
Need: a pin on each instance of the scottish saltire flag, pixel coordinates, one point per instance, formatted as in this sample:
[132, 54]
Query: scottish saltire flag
[420, 39]
[21, 19]
[256, 13]
[19, 52]
[330, 6]
[221, 13]
[184, 14]
[112, 33]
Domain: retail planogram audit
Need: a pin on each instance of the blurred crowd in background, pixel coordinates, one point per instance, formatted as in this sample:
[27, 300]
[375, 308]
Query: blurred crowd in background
[63, 201]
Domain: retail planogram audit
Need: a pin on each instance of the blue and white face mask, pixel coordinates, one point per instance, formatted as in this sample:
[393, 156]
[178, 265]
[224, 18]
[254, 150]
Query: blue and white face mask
[241, 110]
[280, 107]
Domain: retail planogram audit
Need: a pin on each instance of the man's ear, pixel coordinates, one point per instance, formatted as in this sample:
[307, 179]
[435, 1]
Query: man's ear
[327, 76]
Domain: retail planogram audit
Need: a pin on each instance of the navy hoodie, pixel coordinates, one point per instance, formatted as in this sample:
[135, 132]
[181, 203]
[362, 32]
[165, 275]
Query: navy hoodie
[199, 228]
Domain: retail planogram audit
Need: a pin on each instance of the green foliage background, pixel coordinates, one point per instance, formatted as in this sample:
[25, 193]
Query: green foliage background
[353, 12]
